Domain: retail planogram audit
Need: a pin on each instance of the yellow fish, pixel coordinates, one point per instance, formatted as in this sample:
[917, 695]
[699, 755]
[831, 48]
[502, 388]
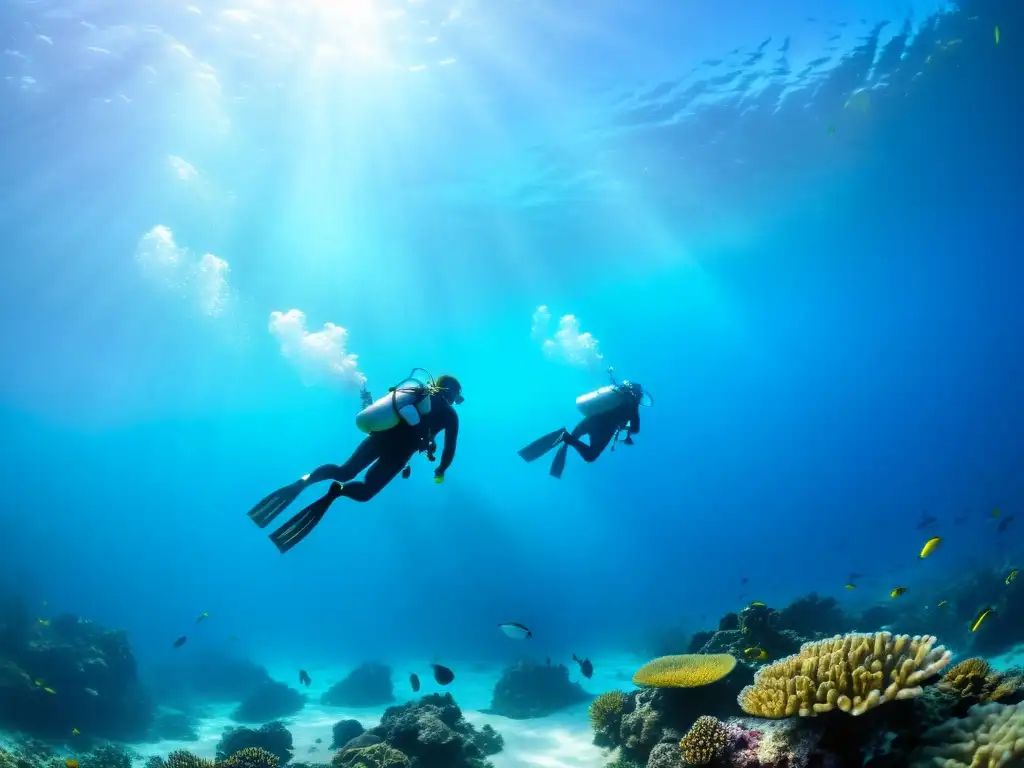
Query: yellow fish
[851, 586]
[930, 546]
[1012, 576]
[941, 603]
[898, 591]
[71, 763]
[982, 615]
[756, 654]
[49, 690]
[44, 622]
[39, 683]
[202, 616]
[75, 731]
[997, 34]
[756, 604]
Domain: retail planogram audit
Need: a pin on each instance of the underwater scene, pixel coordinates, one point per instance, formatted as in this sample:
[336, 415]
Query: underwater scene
[511, 384]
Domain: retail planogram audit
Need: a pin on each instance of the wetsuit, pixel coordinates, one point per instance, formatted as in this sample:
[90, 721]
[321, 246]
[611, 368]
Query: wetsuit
[390, 451]
[602, 428]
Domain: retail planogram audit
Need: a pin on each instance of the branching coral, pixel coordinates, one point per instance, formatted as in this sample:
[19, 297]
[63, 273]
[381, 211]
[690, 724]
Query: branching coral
[853, 674]
[974, 679]
[606, 709]
[704, 742]
[251, 757]
[183, 759]
[376, 756]
[992, 735]
[689, 670]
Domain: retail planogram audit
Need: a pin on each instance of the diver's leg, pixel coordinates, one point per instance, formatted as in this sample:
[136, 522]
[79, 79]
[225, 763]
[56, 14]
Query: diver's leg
[392, 461]
[600, 435]
[363, 456]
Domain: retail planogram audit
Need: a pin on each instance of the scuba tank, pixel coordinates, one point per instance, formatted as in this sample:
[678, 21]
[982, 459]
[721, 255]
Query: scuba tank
[606, 398]
[406, 401]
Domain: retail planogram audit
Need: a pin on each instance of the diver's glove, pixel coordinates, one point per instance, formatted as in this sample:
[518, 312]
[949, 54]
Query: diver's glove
[438, 476]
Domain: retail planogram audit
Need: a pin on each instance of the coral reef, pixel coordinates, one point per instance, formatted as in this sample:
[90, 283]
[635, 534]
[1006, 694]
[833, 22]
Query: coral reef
[429, 732]
[344, 731]
[527, 689]
[685, 671]
[368, 685]
[272, 737]
[183, 759]
[269, 702]
[756, 626]
[991, 735]
[974, 681]
[705, 741]
[64, 673]
[814, 617]
[376, 756]
[853, 673]
[251, 757]
[606, 714]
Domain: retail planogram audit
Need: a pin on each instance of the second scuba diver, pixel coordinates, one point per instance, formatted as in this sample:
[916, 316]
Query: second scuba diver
[606, 413]
[400, 424]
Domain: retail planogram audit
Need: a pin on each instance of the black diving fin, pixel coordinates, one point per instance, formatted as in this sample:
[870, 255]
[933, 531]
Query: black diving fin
[542, 445]
[274, 504]
[558, 463]
[300, 526]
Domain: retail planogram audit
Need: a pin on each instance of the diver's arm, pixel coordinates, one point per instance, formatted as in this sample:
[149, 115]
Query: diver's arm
[451, 437]
[634, 420]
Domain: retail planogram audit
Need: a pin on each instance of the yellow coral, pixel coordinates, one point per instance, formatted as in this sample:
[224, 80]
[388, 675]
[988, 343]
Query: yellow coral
[183, 759]
[975, 679]
[704, 742]
[992, 735]
[689, 670]
[853, 673]
[251, 757]
[606, 708]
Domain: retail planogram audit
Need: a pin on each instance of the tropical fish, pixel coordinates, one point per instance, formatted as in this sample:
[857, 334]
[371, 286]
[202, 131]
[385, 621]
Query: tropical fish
[414, 681]
[75, 732]
[39, 683]
[930, 546]
[941, 603]
[983, 614]
[442, 675]
[898, 592]
[1005, 523]
[202, 616]
[71, 763]
[44, 622]
[755, 654]
[1012, 575]
[516, 631]
[304, 678]
[91, 691]
[997, 34]
[851, 586]
[180, 641]
[586, 668]
[757, 604]
[49, 690]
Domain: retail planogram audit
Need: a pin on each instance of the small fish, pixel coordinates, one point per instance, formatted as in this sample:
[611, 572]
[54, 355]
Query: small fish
[997, 34]
[202, 616]
[755, 654]
[49, 690]
[898, 591]
[929, 546]
[586, 668]
[442, 675]
[757, 604]
[311, 750]
[850, 586]
[983, 614]
[1012, 575]
[304, 678]
[44, 622]
[995, 513]
[1005, 523]
[414, 681]
[91, 691]
[75, 732]
[180, 641]
[71, 763]
[744, 580]
[39, 683]
[516, 631]
[941, 603]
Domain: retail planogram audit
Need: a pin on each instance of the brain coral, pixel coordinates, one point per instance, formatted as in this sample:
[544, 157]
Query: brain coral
[704, 742]
[992, 735]
[853, 673]
[689, 670]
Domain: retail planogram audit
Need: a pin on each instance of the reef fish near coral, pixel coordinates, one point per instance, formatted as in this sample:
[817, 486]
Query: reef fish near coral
[442, 675]
[516, 631]
[414, 681]
[586, 668]
[983, 614]
[930, 546]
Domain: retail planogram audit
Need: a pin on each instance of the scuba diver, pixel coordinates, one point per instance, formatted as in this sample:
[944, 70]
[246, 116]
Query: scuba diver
[607, 412]
[401, 424]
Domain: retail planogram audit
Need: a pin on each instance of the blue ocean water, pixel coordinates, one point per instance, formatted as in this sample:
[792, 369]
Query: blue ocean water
[798, 228]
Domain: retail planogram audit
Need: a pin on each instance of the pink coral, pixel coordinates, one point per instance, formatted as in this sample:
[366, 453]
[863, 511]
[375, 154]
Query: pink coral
[774, 744]
[741, 746]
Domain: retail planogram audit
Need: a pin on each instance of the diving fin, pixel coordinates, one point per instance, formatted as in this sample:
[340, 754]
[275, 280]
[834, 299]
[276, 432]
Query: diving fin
[296, 529]
[558, 464]
[276, 503]
[542, 445]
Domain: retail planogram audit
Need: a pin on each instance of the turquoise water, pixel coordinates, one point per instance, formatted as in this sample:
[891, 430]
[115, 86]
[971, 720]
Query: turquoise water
[801, 234]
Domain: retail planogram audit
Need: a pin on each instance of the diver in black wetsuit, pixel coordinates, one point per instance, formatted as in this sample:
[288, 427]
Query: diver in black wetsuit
[386, 454]
[602, 428]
